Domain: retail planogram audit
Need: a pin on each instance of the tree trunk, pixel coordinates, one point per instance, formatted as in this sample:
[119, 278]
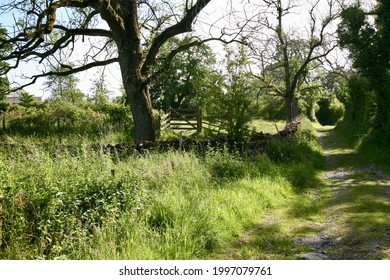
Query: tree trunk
[288, 100]
[137, 95]
[292, 112]
[141, 107]
[295, 109]
[135, 82]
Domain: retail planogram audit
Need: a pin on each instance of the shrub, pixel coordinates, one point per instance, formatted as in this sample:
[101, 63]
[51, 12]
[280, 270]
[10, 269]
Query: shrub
[270, 107]
[359, 109]
[330, 111]
[303, 147]
[60, 117]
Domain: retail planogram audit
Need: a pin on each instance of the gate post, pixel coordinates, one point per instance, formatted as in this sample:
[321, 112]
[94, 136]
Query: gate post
[199, 120]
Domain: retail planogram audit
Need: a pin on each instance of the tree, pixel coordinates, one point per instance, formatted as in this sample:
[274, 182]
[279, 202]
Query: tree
[285, 57]
[360, 103]
[26, 99]
[368, 42]
[100, 89]
[234, 102]
[137, 30]
[181, 84]
[64, 88]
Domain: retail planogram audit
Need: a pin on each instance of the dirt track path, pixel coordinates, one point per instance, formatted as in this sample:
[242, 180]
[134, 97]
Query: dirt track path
[357, 223]
[346, 217]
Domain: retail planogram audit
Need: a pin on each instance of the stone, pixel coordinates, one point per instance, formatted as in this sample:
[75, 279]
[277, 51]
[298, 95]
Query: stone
[313, 256]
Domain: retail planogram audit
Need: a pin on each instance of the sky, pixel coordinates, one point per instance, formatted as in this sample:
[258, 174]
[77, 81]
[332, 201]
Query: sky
[213, 12]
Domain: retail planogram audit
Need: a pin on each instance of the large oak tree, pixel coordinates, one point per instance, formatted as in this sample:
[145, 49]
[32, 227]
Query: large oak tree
[137, 29]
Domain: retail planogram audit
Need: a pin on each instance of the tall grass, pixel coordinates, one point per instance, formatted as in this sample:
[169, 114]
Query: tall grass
[189, 215]
[90, 205]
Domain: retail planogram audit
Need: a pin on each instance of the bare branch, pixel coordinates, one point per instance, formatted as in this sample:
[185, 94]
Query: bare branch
[183, 26]
[70, 71]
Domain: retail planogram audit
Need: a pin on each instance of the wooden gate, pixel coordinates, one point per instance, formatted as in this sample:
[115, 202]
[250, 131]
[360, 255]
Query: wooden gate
[182, 119]
[191, 119]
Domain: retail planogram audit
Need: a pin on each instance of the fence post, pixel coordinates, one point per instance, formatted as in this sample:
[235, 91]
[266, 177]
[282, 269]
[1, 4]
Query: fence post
[164, 121]
[199, 120]
[181, 141]
[158, 126]
[170, 118]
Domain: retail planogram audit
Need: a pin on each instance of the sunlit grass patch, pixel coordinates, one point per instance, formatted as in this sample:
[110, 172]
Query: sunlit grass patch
[267, 126]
